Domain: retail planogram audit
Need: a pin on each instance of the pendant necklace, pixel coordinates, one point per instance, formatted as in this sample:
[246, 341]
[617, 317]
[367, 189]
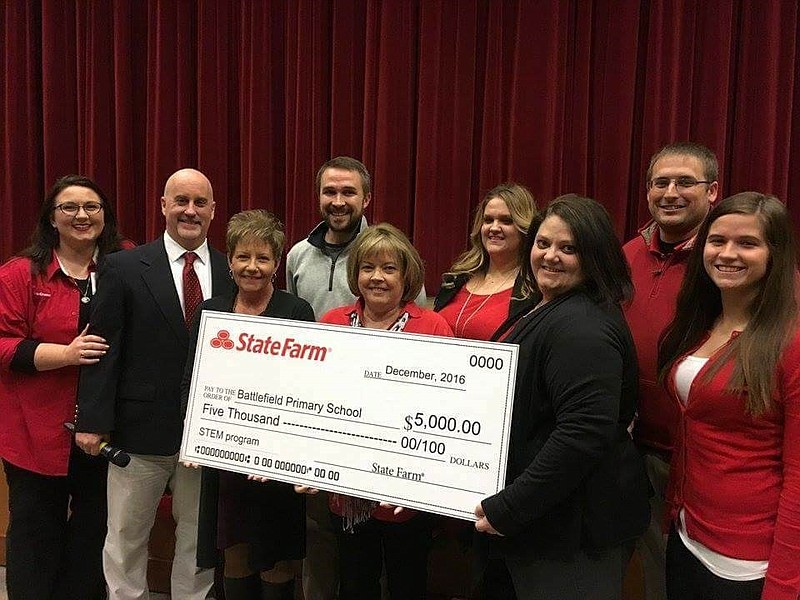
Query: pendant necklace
[87, 284]
[87, 290]
[479, 307]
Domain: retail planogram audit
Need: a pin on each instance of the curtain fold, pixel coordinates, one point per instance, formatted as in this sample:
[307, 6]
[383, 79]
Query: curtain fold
[21, 154]
[390, 114]
[441, 100]
[449, 120]
[306, 141]
[764, 96]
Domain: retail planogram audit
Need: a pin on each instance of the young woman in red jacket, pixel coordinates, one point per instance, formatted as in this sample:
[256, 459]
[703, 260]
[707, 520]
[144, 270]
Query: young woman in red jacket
[731, 360]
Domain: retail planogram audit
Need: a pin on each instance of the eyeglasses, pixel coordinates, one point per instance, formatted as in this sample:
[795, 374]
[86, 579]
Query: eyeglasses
[682, 183]
[70, 209]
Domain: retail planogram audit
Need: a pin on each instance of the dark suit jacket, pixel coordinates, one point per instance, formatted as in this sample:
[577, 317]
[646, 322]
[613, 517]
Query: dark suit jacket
[134, 391]
[574, 479]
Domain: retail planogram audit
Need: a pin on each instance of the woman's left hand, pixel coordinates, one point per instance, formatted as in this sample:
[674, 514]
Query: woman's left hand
[482, 524]
[85, 349]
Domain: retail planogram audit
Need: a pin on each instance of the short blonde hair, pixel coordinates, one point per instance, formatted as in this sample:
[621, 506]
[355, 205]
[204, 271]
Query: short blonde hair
[259, 224]
[384, 237]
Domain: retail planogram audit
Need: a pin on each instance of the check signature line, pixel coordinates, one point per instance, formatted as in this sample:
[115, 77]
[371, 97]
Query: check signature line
[393, 452]
[441, 387]
[366, 437]
[310, 437]
[439, 485]
[448, 437]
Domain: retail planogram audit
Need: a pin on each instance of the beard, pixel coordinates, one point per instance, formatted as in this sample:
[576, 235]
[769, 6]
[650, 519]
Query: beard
[337, 222]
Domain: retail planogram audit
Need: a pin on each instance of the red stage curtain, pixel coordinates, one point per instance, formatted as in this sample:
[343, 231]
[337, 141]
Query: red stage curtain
[442, 100]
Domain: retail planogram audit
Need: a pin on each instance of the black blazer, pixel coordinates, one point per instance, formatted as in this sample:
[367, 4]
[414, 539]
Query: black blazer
[574, 479]
[134, 391]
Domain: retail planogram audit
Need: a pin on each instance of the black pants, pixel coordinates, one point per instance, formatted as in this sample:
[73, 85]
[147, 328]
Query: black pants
[56, 531]
[588, 575]
[689, 579]
[493, 581]
[404, 548]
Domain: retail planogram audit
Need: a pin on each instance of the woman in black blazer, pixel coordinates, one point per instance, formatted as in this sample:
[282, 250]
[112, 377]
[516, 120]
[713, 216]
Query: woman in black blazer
[576, 489]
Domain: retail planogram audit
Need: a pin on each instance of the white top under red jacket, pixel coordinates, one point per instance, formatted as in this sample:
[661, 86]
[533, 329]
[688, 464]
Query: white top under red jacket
[737, 477]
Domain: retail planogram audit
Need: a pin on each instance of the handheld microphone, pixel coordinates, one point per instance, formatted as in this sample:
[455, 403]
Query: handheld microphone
[113, 455]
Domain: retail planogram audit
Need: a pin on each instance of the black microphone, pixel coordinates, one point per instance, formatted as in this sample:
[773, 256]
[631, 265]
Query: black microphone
[113, 455]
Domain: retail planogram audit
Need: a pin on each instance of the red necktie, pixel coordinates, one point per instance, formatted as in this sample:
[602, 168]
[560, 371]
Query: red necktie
[192, 294]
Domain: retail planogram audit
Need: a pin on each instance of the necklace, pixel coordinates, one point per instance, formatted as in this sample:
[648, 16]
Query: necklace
[85, 289]
[534, 309]
[499, 288]
[245, 309]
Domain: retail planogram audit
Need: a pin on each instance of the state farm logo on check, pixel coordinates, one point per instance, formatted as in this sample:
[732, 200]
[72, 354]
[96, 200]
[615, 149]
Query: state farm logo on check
[222, 340]
[288, 347]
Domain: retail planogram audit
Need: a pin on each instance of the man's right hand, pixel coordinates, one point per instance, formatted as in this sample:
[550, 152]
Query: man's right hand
[90, 442]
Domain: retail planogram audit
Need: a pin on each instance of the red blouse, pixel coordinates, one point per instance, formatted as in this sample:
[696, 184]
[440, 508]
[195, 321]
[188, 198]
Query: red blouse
[476, 317]
[34, 406]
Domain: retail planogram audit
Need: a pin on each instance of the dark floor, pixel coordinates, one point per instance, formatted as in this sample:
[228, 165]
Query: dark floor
[4, 595]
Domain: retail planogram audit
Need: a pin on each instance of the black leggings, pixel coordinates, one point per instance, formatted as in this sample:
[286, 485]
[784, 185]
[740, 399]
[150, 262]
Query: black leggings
[402, 547]
[689, 579]
[56, 532]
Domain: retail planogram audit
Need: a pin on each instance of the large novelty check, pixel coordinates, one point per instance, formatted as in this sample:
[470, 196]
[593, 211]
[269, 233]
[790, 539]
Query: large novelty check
[418, 421]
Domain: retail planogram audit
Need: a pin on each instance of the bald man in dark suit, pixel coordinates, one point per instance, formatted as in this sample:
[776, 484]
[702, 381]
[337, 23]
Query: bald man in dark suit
[132, 396]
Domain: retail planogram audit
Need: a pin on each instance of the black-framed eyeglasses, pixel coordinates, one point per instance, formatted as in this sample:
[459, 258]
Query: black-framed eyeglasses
[682, 183]
[71, 209]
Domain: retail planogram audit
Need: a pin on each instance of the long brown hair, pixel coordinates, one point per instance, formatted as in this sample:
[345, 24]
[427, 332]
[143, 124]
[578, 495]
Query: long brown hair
[773, 312]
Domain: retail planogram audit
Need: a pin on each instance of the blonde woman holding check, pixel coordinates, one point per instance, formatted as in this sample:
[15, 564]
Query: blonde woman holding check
[385, 273]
